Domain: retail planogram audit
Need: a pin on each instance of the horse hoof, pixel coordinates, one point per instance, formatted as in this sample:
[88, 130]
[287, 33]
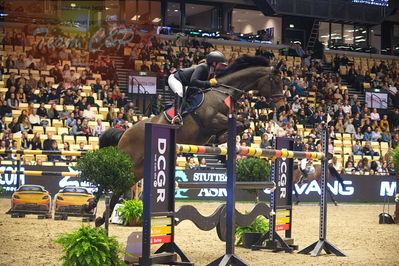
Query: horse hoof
[99, 221]
[335, 203]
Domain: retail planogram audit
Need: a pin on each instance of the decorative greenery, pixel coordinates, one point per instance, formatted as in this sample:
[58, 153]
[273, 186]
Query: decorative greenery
[89, 246]
[131, 209]
[395, 158]
[253, 169]
[109, 168]
[260, 225]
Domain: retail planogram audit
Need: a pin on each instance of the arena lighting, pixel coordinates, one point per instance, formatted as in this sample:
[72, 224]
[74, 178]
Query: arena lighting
[176, 10]
[377, 90]
[73, 5]
[292, 26]
[156, 20]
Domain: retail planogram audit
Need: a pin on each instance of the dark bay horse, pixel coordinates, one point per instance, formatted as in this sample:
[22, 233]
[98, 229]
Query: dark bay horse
[298, 179]
[246, 73]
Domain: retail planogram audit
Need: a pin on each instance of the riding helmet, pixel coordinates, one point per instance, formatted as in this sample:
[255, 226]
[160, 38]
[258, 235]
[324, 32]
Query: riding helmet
[215, 56]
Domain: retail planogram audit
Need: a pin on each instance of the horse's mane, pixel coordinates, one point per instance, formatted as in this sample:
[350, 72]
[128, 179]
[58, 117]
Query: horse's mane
[243, 62]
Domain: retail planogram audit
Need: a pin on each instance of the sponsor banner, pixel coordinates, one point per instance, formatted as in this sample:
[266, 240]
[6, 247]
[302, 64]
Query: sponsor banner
[154, 240]
[282, 220]
[284, 167]
[162, 151]
[358, 188]
[143, 84]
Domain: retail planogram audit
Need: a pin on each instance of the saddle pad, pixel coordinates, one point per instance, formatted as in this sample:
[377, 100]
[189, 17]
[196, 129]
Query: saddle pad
[192, 104]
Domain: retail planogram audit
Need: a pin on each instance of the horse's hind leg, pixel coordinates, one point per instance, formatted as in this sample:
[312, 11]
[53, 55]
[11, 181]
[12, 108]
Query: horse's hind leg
[296, 194]
[332, 196]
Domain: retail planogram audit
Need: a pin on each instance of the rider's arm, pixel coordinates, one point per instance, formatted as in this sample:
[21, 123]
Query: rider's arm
[199, 78]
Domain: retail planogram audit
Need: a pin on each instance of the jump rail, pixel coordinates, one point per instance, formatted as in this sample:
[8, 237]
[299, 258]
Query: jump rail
[44, 152]
[259, 152]
[39, 173]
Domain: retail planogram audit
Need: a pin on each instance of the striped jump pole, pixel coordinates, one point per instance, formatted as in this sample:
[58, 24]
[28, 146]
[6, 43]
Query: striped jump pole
[39, 173]
[259, 152]
[44, 152]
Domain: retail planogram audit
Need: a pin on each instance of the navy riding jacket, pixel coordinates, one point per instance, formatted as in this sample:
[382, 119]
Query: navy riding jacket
[194, 76]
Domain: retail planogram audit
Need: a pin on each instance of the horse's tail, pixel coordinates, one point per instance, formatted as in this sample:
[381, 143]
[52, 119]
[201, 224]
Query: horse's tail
[110, 137]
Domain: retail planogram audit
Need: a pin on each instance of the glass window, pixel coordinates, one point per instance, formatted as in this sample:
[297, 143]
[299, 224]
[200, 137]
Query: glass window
[173, 15]
[144, 12]
[201, 16]
[336, 33]
[348, 34]
[360, 36]
[324, 33]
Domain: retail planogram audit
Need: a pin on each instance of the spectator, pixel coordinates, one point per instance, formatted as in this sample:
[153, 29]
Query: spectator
[98, 129]
[265, 142]
[42, 111]
[34, 118]
[67, 158]
[202, 164]
[386, 135]
[14, 126]
[374, 116]
[82, 147]
[25, 125]
[368, 135]
[368, 150]
[85, 127]
[47, 144]
[357, 148]
[54, 158]
[88, 113]
[375, 135]
[12, 102]
[190, 164]
[77, 129]
[359, 135]
[35, 143]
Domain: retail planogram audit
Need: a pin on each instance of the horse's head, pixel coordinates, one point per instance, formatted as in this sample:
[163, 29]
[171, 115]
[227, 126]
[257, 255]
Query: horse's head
[254, 73]
[271, 87]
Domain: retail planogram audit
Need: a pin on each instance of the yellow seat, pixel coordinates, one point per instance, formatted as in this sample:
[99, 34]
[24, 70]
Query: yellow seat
[51, 130]
[69, 139]
[80, 139]
[39, 129]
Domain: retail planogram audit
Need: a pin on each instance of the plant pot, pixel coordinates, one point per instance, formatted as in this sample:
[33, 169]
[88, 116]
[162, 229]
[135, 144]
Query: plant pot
[134, 222]
[250, 238]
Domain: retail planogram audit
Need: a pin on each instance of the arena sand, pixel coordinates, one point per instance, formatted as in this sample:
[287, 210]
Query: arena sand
[352, 228]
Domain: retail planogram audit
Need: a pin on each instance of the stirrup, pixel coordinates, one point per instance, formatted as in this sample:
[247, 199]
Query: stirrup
[177, 120]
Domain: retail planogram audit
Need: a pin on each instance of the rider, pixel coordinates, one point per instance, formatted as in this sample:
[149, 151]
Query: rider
[200, 76]
[307, 168]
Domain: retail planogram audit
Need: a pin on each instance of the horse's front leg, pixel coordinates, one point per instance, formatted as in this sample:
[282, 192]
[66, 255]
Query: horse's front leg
[220, 124]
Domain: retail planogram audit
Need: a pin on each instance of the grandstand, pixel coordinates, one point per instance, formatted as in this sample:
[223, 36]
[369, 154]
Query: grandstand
[57, 81]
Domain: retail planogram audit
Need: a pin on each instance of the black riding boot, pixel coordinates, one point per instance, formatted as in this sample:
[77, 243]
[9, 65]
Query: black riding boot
[178, 108]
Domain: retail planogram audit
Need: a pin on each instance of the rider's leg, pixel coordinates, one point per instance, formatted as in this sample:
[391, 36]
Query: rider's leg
[178, 88]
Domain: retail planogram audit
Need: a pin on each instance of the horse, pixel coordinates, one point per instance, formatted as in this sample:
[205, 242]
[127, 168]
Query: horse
[209, 120]
[298, 179]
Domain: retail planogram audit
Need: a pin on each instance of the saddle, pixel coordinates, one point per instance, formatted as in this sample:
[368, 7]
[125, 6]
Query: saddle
[193, 102]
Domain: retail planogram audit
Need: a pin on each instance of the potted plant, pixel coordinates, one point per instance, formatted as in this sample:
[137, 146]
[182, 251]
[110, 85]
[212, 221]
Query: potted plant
[131, 212]
[248, 236]
[88, 246]
[253, 169]
[110, 169]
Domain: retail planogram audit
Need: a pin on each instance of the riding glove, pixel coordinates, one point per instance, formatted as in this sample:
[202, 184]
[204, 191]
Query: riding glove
[213, 82]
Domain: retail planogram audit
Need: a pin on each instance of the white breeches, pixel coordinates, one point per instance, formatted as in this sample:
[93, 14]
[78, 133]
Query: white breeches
[175, 85]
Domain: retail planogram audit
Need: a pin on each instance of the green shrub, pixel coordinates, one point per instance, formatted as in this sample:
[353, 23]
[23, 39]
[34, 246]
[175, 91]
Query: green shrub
[131, 210]
[89, 246]
[260, 225]
[109, 168]
[395, 159]
[253, 169]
